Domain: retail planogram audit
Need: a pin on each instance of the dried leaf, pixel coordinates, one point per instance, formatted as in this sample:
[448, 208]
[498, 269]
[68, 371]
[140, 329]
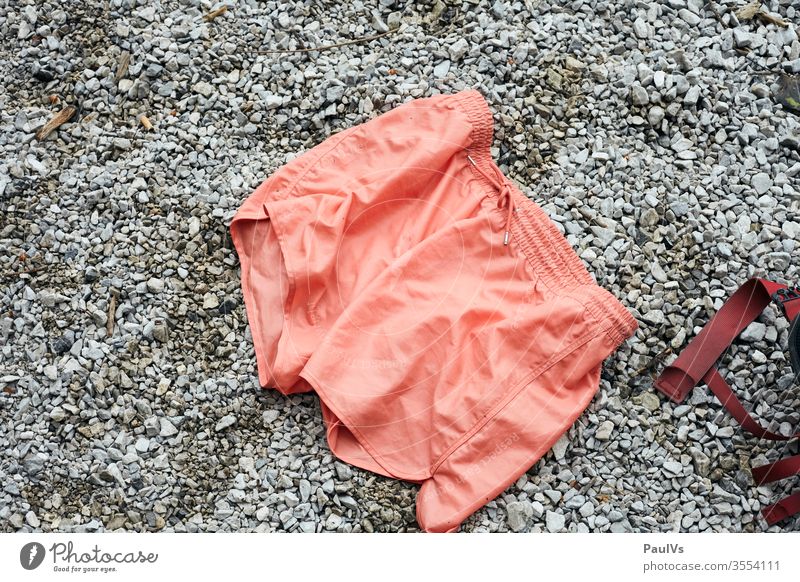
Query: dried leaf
[122, 65]
[53, 99]
[768, 18]
[214, 13]
[145, 121]
[748, 11]
[788, 93]
[55, 122]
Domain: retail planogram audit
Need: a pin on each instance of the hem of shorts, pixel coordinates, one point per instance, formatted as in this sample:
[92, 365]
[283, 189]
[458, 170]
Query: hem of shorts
[251, 307]
[546, 250]
[504, 403]
[517, 388]
[311, 378]
[288, 303]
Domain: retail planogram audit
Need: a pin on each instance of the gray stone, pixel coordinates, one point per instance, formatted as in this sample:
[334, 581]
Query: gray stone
[167, 429]
[343, 472]
[560, 446]
[33, 464]
[142, 445]
[518, 512]
[334, 93]
[692, 95]
[441, 69]
[604, 430]
[203, 88]
[554, 521]
[225, 422]
[761, 182]
[32, 520]
[754, 332]
[640, 28]
[333, 522]
[655, 115]
[458, 49]
[155, 285]
[639, 95]
[650, 401]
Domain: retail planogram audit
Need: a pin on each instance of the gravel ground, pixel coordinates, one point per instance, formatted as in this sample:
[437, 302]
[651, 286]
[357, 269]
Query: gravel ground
[128, 392]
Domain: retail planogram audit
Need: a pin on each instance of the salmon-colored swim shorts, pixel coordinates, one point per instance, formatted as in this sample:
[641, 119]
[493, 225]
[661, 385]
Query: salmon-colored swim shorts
[449, 329]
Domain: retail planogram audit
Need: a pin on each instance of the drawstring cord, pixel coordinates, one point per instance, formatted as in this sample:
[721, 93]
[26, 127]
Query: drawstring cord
[506, 198]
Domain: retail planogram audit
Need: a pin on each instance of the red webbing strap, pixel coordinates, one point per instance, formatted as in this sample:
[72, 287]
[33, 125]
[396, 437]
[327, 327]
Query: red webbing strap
[678, 379]
[783, 469]
[785, 508]
[732, 404]
[696, 364]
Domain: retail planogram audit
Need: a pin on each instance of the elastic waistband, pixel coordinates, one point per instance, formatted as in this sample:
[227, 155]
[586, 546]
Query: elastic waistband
[548, 253]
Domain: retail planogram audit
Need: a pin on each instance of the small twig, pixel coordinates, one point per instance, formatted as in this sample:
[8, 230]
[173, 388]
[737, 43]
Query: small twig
[214, 13]
[112, 309]
[652, 363]
[11, 274]
[122, 66]
[56, 121]
[768, 18]
[328, 46]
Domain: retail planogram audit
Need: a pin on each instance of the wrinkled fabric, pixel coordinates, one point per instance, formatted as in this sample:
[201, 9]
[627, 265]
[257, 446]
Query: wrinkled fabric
[375, 273]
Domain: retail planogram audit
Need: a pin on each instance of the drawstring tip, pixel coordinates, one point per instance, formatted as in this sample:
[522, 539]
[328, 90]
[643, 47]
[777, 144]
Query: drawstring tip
[505, 238]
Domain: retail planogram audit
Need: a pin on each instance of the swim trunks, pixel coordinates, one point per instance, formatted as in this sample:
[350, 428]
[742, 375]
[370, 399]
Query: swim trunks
[449, 329]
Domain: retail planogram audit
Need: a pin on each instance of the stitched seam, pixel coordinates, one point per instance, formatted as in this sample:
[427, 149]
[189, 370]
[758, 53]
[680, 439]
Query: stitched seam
[513, 393]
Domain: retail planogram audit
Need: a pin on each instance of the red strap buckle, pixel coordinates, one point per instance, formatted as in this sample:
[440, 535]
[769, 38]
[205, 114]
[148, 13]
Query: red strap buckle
[786, 295]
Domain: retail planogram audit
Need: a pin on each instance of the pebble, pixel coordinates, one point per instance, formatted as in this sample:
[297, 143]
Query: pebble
[441, 69]
[225, 422]
[761, 183]
[651, 401]
[604, 430]
[519, 512]
[458, 49]
[167, 429]
[560, 447]
[655, 115]
[155, 285]
[640, 28]
[33, 464]
[32, 520]
[333, 522]
[755, 332]
[692, 95]
[639, 95]
[210, 301]
[555, 521]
